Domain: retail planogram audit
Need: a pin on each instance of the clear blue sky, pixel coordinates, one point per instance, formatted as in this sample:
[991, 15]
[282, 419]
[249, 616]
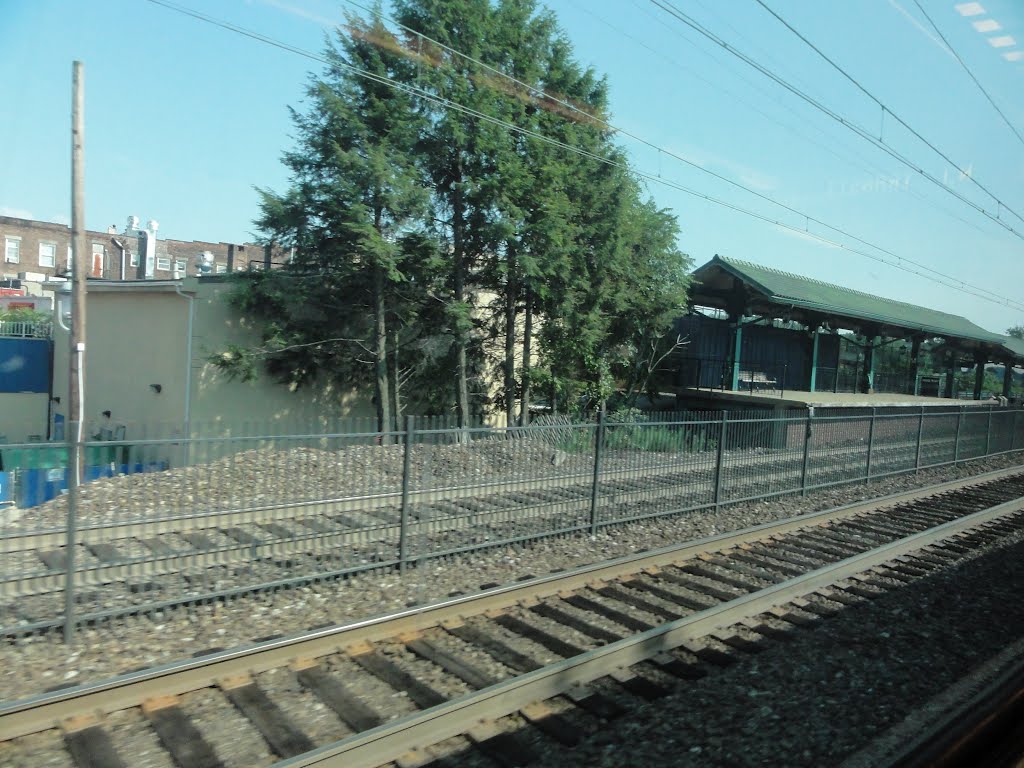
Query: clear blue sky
[184, 119]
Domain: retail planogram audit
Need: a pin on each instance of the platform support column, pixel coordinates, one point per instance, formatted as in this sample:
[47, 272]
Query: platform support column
[814, 361]
[915, 351]
[979, 375]
[737, 345]
[950, 377]
[836, 364]
[1007, 378]
[868, 383]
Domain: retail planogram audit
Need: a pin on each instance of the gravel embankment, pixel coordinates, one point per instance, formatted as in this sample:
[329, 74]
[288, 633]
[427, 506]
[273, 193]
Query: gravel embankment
[819, 698]
[292, 473]
[33, 664]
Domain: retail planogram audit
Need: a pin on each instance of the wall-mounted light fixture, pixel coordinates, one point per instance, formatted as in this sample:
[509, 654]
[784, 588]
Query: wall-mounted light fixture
[156, 388]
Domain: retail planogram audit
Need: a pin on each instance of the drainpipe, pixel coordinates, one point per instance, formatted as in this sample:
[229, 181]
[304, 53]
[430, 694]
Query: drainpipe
[188, 369]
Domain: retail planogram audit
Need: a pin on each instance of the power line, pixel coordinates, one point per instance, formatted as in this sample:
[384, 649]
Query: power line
[947, 281]
[884, 108]
[857, 160]
[970, 74]
[849, 124]
[533, 90]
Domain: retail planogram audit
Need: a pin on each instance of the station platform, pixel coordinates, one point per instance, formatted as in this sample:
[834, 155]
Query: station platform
[795, 399]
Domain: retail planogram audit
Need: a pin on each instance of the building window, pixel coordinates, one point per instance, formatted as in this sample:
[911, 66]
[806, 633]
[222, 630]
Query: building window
[179, 265]
[221, 269]
[164, 263]
[99, 254]
[12, 250]
[71, 259]
[47, 255]
[133, 259]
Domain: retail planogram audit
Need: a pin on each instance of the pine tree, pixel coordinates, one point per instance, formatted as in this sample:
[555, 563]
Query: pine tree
[353, 214]
[407, 204]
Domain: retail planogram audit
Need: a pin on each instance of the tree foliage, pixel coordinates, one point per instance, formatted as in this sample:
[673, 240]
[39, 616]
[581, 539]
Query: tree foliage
[437, 250]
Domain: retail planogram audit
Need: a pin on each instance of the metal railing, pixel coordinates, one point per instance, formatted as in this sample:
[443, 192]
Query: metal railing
[23, 329]
[753, 377]
[161, 520]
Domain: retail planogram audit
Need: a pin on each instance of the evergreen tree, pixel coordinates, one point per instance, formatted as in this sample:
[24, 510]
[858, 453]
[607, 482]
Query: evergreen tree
[456, 153]
[404, 209]
[353, 215]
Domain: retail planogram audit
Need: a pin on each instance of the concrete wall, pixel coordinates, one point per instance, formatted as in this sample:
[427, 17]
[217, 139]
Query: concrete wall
[217, 400]
[138, 337]
[134, 339]
[22, 414]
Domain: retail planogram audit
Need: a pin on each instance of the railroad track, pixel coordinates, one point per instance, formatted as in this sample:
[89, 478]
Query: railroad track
[558, 654]
[368, 529]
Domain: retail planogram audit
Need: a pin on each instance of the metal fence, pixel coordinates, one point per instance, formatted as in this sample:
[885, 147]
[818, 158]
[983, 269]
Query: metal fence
[27, 329]
[161, 520]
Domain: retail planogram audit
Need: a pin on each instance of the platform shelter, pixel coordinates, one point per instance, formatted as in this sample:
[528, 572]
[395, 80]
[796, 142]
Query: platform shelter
[754, 330]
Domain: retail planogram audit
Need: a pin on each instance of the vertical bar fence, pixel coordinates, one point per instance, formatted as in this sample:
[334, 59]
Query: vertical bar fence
[169, 516]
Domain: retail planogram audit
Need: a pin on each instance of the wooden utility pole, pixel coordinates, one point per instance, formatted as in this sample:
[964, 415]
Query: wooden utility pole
[76, 395]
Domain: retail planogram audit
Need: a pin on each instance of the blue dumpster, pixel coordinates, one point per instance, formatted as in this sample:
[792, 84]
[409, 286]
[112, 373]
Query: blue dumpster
[5, 488]
[36, 486]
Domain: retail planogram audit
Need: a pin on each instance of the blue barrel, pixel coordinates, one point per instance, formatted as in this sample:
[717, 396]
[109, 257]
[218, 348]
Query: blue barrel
[5, 487]
[36, 486]
[95, 472]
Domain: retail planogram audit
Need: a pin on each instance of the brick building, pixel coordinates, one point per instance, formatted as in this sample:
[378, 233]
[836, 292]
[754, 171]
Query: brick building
[44, 248]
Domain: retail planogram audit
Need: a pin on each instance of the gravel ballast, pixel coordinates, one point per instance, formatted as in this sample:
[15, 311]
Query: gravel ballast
[33, 664]
[822, 696]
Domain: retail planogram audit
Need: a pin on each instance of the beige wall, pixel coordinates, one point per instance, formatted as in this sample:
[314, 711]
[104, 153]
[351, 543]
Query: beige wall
[22, 414]
[134, 339]
[138, 336]
[218, 400]
[494, 349]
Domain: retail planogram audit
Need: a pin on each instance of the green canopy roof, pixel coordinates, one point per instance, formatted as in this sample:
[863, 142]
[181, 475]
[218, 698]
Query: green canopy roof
[1016, 346]
[789, 290]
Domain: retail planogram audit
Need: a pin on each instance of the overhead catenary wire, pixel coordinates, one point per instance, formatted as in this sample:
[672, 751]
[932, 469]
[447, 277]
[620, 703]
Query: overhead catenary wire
[861, 131]
[944, 280]
[534, 90]
[856, 160]
[639, 139]
[885, 108]
[970, 74]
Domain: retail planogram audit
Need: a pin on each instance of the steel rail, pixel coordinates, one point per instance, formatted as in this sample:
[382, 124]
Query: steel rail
[985, 724]
[47, 710]
[388, 742]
